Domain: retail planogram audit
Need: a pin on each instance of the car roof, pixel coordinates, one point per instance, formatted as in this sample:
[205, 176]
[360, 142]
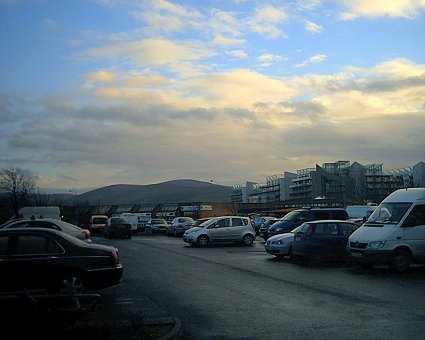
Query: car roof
[31, 231]
[330, 221]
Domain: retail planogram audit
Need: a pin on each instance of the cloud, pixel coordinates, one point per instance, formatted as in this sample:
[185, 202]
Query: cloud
[226, 41]
[375, 9]
[314, 59]
[165, 16]
[100, 76]
[266, 21]
[238, 54]
[197, 126]
[312, 27]
[267, 60]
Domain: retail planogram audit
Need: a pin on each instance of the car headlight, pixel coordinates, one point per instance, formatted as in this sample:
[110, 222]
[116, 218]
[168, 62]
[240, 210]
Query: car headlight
[193, 231]
[279, 229]
[280, 242]
[376, 244]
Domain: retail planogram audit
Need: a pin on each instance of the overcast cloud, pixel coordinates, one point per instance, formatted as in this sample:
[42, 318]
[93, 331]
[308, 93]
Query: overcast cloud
[164, 90]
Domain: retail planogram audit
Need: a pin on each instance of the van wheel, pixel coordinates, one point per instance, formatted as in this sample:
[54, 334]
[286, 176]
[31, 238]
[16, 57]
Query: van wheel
[248, 240]
[203, 240]
[400, 260]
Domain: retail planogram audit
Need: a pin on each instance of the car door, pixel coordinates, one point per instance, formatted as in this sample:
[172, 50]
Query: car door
[32, 261]
[220, 230]
[236, 228]
[414, 230]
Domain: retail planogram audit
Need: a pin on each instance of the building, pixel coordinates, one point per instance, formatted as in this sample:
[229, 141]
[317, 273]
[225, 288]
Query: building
[339, 182]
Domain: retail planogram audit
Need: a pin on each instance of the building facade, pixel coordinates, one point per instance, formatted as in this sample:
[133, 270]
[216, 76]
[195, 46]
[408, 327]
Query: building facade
[339, 181]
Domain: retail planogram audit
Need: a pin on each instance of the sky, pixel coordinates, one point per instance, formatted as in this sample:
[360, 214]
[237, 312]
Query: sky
[101, 92]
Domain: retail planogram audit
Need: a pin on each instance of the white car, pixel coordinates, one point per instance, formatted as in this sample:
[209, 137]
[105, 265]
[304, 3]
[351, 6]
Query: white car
[221, 229]
[281, 245]
[50, 223]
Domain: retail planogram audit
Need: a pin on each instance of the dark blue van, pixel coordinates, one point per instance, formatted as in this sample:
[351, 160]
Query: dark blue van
[297, 217]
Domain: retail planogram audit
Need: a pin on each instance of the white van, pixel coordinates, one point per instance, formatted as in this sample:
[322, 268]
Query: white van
[133, 219]
[394, 233]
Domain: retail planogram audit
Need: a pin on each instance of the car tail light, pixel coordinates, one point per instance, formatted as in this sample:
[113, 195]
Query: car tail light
[115, 257]
[86, 233]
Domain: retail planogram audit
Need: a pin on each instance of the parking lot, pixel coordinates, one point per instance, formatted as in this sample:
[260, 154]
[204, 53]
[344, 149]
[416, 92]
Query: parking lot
[231, 291]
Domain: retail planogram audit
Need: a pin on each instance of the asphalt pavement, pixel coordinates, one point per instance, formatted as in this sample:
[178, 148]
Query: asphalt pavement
[85, 317]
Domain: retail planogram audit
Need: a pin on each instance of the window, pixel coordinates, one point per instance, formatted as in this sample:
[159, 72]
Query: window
[35, 244]
[326, 229]
[225, 222]
[321, 215]
[44, 224]
[237, 222]
[417, 215]
[339, 215]
[347, 228]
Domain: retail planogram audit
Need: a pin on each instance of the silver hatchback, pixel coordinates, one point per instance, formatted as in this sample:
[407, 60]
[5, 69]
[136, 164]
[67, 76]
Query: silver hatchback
[221, 229]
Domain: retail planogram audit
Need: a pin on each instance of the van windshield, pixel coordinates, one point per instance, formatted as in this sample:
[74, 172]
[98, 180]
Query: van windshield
[389, 213]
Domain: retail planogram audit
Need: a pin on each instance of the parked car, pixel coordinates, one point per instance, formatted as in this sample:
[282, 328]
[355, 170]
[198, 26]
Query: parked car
[323, 240]
[97, 223]
[297, 217]
[50, 223]
[395, 232]
[118, 227]
[156, 225]
[48, 260]
[265, 226]
[259, 220]
[179, 225]
[221, 229]
[281, 245]
[133, 219]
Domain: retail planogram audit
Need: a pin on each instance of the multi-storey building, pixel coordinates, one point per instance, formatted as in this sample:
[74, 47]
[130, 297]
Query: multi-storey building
[339, 181]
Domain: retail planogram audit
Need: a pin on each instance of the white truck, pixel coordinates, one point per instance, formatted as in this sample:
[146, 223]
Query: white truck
[41, 212]
[394, 232]
[133, 219]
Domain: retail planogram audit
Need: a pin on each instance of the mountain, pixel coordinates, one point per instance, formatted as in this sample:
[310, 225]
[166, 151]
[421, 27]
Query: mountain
[177, 191]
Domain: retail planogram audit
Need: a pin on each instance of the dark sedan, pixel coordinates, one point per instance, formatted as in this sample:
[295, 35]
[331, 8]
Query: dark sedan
[46, 260]
[323, 240]
[118, 227]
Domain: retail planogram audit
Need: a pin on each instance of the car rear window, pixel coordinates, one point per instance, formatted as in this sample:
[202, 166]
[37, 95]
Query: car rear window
[326, 229]
[347, 228]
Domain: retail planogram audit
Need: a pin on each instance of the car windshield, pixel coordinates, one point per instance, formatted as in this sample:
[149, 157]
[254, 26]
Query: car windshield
[293, 215]
[389, 213]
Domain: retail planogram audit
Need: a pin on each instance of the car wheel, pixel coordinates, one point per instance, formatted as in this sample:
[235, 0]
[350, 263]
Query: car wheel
[129, 236]
[203, 240]
[248, 240]
[400, 260]
[290, 252]
[71, 285]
